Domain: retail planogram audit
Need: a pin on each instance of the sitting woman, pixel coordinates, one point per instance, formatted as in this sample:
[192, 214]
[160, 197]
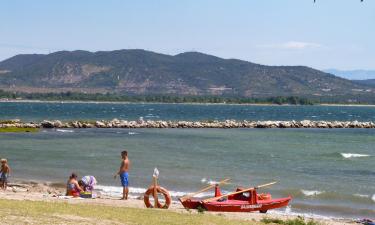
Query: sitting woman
[72, 186]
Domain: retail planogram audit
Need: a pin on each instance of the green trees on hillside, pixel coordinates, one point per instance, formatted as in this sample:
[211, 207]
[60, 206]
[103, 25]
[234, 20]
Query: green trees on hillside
[76, 96]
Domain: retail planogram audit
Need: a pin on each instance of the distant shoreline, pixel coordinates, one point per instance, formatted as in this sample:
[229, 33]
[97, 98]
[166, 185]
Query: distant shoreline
[176, 103]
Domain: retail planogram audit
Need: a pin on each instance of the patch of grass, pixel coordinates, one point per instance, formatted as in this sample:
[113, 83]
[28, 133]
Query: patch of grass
[297, 221]
[7, 121]
[201, 209]
[17, 129]
[39, 212]
[272, 220]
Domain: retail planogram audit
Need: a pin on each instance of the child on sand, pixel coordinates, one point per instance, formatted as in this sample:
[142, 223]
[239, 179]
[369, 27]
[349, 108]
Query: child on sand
[4, 173]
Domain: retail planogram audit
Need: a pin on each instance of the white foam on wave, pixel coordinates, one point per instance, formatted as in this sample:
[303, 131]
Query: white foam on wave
[64, 131]
[373, 197]
[289, 212]
[353, 155]
[208, 181]
[116, 191]
[361, 195]
[311, 192]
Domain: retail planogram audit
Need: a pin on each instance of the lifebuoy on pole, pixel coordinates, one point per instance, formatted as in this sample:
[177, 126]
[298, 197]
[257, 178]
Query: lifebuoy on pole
[161, 190]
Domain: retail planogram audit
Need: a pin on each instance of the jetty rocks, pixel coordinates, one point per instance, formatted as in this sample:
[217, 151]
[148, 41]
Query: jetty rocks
[116, 123]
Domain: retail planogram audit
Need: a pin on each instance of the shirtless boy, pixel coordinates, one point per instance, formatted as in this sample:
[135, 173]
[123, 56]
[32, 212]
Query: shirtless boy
[4, 173]
[124, 176]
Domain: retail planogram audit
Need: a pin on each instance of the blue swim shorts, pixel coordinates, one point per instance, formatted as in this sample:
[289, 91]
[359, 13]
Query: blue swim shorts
[4, 177]
[124, 179]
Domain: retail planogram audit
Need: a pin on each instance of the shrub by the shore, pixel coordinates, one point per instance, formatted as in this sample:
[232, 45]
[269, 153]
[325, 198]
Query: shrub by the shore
[17, 129]
[296, 221]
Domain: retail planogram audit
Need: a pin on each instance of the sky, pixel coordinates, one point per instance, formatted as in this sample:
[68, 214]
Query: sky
[327, 34]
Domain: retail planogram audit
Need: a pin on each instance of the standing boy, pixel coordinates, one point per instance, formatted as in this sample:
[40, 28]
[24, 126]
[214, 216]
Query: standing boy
[124, 176]
[4, 173]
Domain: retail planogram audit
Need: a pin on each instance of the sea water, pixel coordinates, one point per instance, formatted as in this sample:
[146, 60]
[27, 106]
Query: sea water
[328, 172]
[98, 111]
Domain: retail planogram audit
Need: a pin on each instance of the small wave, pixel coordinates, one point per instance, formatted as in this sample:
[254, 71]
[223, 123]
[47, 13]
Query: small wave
[212, 182]
[65, 131]
[288, 209]
[135, 191]
[289, 212]
[373, 198]
[361, 195]
[132, 133]
[208, 181]
[311, 192]
[150, 115]
[325, 195]
[353, 155]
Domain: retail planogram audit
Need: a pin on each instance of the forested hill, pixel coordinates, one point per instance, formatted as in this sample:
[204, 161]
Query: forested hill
[143, 72]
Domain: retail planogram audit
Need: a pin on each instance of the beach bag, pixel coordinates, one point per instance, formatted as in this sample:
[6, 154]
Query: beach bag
[85, 194]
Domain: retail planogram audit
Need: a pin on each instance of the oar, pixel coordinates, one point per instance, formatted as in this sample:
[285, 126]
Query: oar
[238, 192]
[184, 198]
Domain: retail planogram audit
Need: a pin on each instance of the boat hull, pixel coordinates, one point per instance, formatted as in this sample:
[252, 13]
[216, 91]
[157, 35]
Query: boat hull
[246, 206]
[195, 203]
[191, 203]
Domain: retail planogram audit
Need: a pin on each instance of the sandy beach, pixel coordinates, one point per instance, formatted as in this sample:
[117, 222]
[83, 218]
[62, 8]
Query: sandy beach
[53, 193]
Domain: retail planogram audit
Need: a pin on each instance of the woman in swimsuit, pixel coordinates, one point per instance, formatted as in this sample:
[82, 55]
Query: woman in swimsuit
[72, 186]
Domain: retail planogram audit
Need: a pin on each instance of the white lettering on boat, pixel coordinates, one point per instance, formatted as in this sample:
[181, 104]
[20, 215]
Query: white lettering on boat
[251, 206]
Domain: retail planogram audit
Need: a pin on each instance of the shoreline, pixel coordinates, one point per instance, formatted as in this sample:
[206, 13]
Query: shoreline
[52, 192]
[176, 103]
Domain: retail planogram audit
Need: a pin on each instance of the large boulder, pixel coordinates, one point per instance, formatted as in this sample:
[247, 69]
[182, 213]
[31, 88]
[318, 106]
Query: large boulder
[57, 124]
[285, 124]
[305, 123]
[100, 124]
[47, 124]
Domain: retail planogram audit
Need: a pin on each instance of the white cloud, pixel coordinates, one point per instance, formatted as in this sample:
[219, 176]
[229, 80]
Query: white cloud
[300, 45]
[292, 45]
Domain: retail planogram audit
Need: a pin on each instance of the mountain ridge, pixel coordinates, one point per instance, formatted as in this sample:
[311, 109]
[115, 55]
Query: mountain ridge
[137, 71]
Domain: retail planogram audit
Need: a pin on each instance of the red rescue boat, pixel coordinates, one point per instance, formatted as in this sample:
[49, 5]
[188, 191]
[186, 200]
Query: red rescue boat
[248, 201]
[242, 200]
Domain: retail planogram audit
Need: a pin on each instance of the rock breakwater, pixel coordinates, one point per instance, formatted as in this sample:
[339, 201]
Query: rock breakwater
[116, 123]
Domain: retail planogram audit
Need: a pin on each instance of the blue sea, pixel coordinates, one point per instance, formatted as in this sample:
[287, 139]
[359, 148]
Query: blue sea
[328, 172]
[99, 111]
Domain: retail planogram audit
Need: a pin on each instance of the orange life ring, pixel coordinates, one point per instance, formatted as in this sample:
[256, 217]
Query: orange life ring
[161, 190]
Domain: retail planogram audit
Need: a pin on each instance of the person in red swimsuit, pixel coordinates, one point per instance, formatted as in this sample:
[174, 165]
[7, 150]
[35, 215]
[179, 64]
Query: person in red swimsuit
[72, 186]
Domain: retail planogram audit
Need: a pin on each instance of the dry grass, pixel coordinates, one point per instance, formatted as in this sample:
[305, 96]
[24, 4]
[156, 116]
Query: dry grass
[38, 212]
